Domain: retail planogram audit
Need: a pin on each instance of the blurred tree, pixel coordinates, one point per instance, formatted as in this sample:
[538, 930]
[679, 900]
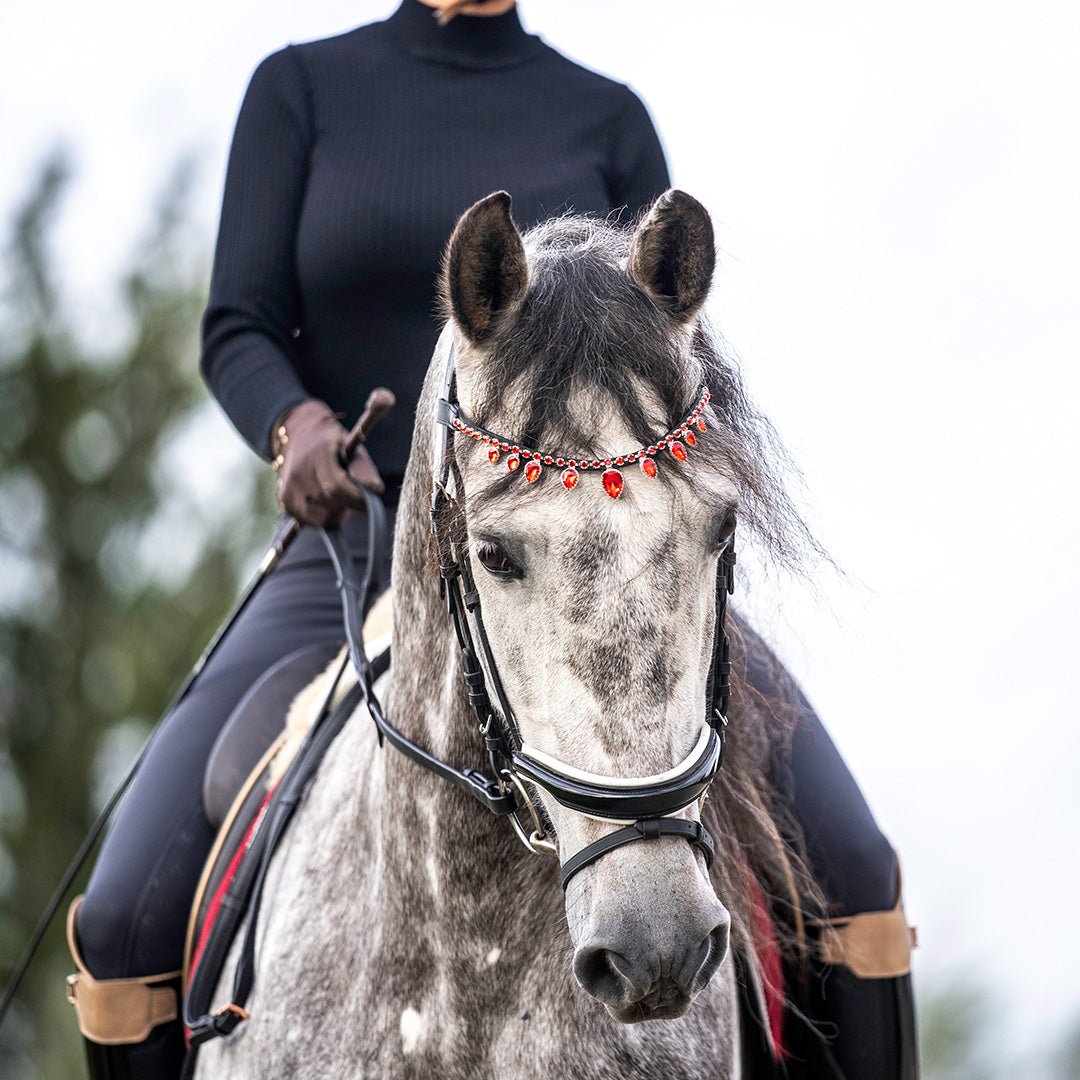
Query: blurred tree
[112, 576]
[955, 1025]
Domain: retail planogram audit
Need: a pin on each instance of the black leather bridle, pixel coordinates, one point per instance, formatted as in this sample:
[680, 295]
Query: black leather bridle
[642, 805]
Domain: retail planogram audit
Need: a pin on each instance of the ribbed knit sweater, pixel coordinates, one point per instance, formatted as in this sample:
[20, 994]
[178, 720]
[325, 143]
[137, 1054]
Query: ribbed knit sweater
[353, 156]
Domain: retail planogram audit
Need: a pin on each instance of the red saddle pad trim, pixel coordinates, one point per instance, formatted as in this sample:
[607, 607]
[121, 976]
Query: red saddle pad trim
[214, 906]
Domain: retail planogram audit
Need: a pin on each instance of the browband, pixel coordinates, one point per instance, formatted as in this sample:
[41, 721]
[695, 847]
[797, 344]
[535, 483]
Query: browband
[682, 435]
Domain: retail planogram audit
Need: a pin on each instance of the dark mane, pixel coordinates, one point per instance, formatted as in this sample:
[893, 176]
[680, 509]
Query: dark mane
[586, 332]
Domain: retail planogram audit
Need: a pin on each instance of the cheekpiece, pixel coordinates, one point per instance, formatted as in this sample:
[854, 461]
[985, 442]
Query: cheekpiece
[532, 462]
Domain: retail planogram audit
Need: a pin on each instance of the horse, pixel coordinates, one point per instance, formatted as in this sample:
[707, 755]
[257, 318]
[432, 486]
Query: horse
[404, 932]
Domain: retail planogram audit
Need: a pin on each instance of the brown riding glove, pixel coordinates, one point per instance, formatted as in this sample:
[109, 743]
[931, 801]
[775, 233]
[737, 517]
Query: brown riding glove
[315, 484]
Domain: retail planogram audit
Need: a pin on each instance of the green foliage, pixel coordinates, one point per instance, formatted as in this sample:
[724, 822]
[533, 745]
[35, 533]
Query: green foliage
[954, 1021]
[112, 576]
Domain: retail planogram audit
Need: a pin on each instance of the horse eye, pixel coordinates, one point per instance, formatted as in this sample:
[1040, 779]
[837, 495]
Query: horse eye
[494, 560]
[727, 531]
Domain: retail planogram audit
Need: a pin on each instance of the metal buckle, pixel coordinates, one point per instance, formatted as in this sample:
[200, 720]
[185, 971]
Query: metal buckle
[536, 841]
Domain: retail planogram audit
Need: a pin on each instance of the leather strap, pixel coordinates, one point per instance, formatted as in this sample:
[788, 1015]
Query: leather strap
[648, 829]
[623, 803]
[483, 788]
[118, 1012]
[238, 803]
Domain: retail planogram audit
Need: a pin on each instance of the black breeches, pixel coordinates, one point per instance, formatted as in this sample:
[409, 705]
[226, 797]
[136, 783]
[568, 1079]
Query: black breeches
[851, 859]
[134, 916]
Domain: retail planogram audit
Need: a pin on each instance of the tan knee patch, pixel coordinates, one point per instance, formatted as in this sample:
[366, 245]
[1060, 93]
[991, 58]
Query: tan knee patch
[872, 944]
[114, 1012]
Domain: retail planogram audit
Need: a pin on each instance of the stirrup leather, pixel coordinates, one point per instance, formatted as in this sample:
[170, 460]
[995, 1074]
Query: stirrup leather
[115, 1012]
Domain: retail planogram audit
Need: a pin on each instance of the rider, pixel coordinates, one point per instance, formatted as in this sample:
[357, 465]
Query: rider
[352, 158]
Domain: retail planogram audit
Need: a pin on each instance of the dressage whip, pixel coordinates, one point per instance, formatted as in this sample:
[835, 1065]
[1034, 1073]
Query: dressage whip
[380, 401]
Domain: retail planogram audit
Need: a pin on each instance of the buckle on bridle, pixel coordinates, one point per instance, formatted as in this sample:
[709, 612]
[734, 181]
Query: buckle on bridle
[537, 841]
[219, 1024]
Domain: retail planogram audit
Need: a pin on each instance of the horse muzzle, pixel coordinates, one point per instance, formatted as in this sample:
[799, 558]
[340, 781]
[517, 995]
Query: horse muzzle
[638, 976]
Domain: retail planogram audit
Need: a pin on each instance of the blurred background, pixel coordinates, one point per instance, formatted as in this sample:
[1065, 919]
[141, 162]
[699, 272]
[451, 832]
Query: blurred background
[895, 192]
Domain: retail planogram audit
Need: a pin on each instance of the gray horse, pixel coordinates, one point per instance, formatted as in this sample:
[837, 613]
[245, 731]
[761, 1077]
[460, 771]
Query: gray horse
[405, 931]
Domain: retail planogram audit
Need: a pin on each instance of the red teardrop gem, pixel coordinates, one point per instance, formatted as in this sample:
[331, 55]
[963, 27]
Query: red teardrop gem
[532, 471]
[493, 455]
[612, 479]
[648, 466]
[569, 478]
[678, 451]
[512, 462]
[691, 439]
[701, 426]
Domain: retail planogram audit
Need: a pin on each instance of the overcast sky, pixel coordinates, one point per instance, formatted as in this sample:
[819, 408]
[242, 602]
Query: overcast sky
[895, 191]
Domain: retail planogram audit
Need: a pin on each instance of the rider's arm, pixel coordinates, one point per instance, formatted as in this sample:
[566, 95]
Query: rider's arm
[249, 355]
[636, 171]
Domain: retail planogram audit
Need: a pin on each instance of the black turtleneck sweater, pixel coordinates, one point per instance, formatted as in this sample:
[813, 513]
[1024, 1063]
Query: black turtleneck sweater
[352, 159]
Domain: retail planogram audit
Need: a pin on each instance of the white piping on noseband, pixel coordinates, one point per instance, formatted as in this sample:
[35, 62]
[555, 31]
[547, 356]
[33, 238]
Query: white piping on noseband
[600, 780]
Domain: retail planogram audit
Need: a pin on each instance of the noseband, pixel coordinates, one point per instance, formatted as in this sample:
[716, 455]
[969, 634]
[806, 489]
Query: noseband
[641, 804]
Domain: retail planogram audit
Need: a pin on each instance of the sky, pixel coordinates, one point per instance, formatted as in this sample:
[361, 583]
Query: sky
[895, 194]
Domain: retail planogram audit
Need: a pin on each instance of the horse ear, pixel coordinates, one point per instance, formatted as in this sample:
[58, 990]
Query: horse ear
[484, 271]
[673, 254]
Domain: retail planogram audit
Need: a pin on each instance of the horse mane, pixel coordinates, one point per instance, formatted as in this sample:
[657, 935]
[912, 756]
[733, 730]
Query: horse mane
[586, 332]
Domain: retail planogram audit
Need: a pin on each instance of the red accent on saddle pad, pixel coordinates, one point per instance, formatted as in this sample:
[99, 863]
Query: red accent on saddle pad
[214, 907]
[772, 975]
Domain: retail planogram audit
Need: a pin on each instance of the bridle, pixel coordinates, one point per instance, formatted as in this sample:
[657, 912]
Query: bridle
[643, 805]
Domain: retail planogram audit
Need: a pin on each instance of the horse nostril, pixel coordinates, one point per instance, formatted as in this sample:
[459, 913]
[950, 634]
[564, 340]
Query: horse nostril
[609, 976]
[702, 963]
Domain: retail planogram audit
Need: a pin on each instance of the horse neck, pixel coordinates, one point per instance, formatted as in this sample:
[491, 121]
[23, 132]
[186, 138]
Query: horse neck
[442, 840]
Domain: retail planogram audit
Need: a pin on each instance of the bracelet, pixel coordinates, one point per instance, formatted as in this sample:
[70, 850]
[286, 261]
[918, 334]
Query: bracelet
[278, 441]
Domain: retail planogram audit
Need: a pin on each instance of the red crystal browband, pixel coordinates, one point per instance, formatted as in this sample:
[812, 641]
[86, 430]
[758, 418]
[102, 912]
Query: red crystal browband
[675, 442]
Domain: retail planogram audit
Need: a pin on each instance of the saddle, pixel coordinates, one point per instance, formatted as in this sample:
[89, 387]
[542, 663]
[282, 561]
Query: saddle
[261, 745]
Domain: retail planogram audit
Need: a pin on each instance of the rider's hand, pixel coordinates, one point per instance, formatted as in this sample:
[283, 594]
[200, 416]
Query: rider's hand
[313, 484]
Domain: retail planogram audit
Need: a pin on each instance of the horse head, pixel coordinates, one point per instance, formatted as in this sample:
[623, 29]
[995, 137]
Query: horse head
[597, 498]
